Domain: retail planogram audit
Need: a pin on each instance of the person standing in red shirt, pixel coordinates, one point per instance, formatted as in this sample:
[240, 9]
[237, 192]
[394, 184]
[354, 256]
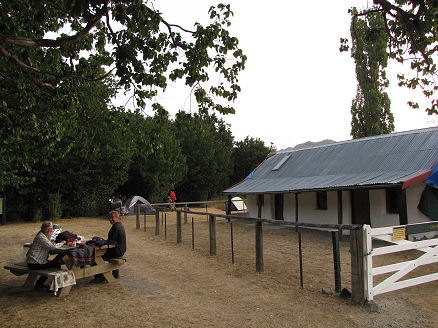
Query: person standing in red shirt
[172, 198]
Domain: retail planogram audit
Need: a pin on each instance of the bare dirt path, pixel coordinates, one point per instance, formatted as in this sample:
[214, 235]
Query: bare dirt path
[168, 285]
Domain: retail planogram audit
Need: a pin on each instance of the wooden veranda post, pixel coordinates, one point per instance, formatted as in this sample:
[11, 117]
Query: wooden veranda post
[340, 212]
[212, 230]
[403, 212]
[260, 265]
[137, 216]
[157, 223]
[300, 248]
[178, 227]
[357, 268]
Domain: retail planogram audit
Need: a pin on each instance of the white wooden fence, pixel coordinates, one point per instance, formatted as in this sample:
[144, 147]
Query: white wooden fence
[397, 236]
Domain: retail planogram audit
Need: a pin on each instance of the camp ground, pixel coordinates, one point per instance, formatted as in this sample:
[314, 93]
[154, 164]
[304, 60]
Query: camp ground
[145, 206]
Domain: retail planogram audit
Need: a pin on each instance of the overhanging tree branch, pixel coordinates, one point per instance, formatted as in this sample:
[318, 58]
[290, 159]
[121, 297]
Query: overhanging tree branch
[61, 42]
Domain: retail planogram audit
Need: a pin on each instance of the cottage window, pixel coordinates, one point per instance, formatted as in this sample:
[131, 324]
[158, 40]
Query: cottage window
[392, 201]
[321, 200]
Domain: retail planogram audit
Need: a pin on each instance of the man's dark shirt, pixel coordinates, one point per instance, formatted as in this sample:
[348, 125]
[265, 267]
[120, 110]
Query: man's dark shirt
[117, 234]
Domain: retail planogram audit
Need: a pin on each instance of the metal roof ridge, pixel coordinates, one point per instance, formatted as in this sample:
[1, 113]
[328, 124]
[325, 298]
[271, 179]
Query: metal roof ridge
[361, 139]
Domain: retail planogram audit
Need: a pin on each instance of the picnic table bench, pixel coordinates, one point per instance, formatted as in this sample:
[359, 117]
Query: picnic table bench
[102, 267]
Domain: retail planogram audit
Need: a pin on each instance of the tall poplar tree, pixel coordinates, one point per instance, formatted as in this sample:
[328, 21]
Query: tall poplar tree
[370, 110]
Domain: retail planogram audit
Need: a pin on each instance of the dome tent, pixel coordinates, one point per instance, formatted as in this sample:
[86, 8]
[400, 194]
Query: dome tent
[145, 206]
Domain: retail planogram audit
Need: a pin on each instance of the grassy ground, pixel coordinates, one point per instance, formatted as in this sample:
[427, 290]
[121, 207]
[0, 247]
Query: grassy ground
[165, 284]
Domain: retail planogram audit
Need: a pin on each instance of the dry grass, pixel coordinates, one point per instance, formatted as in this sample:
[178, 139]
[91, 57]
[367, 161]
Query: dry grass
[165, 284]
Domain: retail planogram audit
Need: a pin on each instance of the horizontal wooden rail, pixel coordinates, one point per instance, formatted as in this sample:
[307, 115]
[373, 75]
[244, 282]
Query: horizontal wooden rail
[272, 221]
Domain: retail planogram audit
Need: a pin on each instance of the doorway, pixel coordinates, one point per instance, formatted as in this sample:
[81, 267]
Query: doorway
[360, 206]
[278, 206]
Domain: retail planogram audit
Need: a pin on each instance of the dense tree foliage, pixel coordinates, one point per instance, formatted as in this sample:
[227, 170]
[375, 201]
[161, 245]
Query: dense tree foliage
[412, 29]
[247, 155]
[49, 49]
[96, 153]
[46, 42]
[62, 147]
[158, 163]
[370, 108]
[207, 144]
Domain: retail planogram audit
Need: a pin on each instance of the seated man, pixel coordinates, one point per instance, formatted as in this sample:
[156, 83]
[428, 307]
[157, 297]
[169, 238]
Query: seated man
[116, 234]
[38, 254]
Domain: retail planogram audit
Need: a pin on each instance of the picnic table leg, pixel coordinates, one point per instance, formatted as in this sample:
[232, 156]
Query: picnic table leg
[64, 291]
[30, 280]
[109, 276]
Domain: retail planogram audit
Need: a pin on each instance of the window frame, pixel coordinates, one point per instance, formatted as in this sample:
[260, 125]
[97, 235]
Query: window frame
[321, 200]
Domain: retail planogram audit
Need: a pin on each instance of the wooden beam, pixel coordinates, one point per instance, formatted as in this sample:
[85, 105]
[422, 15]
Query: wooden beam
[260, 265]
[157, 223]
[178, 227]
[336, 261]
[357, 268]
[212, 230]
[229, 205]
[259, 205]
[402, 210]
[340, 211]
[137, 217]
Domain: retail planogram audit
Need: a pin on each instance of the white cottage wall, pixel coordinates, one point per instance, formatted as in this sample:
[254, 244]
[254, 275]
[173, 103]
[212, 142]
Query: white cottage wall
[251, 204]
[413, 195]
[307, 211]
[381, 218]
[289, 207]
[379, 215]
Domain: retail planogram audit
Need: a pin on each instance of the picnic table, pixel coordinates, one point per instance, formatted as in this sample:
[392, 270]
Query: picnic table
[70, 272]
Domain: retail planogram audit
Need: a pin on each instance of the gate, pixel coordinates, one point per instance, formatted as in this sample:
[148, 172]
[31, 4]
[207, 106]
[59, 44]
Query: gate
[398, 239]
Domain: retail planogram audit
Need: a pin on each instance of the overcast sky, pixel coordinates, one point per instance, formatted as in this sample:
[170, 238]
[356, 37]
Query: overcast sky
[297, 86]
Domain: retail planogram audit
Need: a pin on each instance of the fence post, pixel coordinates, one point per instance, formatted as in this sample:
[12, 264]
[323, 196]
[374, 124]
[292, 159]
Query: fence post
[212, 229]
[336, 261]
[259, 247]
[232, 242]
[228, 207]
[178, 226]
[157, 223]
[144, 228]
[165, 226]
[357, 272]
[193, 234]
[368, 264]
[137, 216]
[185, 213]
[300, 254]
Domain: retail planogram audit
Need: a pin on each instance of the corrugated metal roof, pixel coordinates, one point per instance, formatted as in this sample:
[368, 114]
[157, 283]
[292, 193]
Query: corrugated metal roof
[367, 162]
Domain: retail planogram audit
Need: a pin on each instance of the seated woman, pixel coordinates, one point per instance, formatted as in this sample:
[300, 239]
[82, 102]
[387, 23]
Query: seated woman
[38, 254]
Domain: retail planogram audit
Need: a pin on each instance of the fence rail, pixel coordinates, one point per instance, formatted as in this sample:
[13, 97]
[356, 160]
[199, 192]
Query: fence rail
[356, 244]
[397, 271]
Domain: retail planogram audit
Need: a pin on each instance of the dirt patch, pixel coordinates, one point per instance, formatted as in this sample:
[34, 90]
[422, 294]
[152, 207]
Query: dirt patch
[165, 284]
